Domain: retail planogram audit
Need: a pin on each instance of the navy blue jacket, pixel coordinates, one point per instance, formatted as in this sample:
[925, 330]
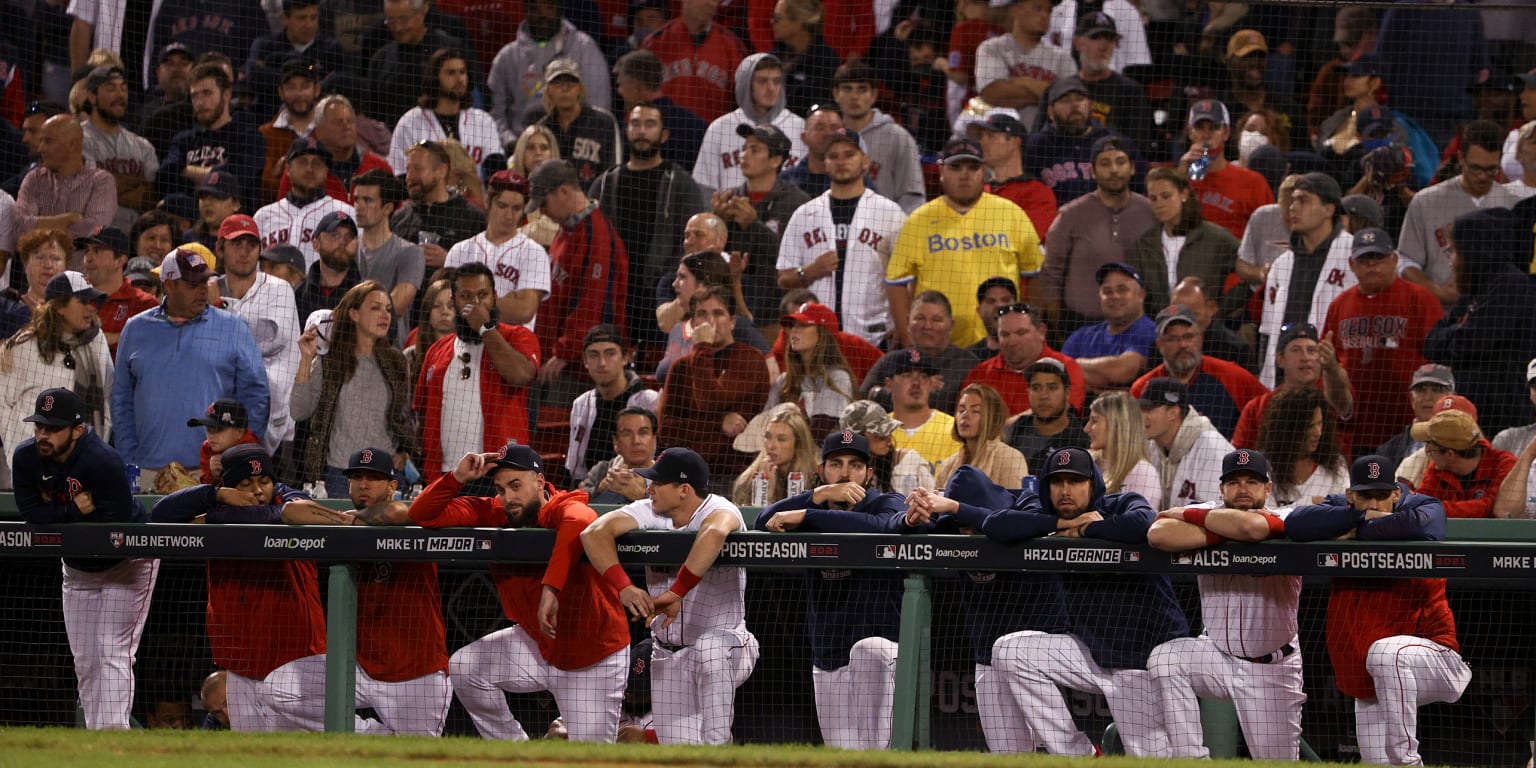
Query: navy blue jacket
[238, 148]
[1065, 163]
[1416, 517]
[845, 606]
[45, 490]
[1120, 617]
[187, 503]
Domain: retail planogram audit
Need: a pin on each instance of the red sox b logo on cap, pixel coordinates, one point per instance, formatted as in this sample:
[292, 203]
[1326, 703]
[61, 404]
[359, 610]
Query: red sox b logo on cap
[914, 355]
[48, 403]
[1242, 458]
[1445, 403]
[367, 456]
[847, 437]
[1374, 471]
[1063, 459]
[255, 466]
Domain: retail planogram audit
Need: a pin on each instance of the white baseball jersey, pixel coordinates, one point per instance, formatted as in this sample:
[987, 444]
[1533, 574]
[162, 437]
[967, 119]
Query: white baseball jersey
[1132, 50]
[124, 153]
[860, 300]
[520, 264]
[268, 308]
[1249, 616]
[477, 132]
[718, 602]
[1335, 278]
[1002, 58]
[719, 163]
[283, 223]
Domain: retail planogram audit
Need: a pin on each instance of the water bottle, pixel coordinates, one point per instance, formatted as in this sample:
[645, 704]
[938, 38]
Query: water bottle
[1031, 484]
[760, 489]
[132, 470]
[796, 484]
[1202, 163]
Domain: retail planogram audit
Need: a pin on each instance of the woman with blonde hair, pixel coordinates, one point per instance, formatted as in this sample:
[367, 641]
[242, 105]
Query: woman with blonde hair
[787, 447]
[979, 416]
[816, 375]
[536, 145]
[1118, 443]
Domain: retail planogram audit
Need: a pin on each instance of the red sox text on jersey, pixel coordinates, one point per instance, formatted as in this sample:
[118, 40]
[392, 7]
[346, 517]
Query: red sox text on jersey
[696, 68]
[818, 236]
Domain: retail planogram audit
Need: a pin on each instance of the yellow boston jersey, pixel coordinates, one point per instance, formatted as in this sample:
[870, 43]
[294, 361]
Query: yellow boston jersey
[953, 253]
[934, 441]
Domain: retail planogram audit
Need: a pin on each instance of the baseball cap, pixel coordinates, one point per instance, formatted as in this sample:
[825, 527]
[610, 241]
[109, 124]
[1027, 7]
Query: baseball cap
[1321, 184]
[846, 441]
[57, 407]
[238, 225]
[602, 333]
[375, 460]
[285, 254]
[220, 184]
[1209, 109]
[1064, 86]
[1293, 331]
[140, 269]
[1530, 371]
[1117, 266]
[811, 313]
[778, 144]
[678, 465]
[174, 49]
[1068, 461]
[308, 146]
[179, 204]
[184, 263]
[110, 238]
[243, 461]
[333, 221]
[1164, 390]
[912, 359]
[1371, 241]
[977, 112]
[866, 416]
[102, 75]
[71, 283]
[1107, 143]
[1369, 64]
[1246, 41]
[1049, 365]
[548, 177]
[1174, 314]
[996, 281]
[1372, 472]
[1244, 460]
[1373, 119]
[1433, 373]
[1096, 23]
[505, 180]
[846, 135]
[1527, 78]
[518, 456]
[224, 413]
[1453, 429]
[297, 67]
[561, 67]
[960, 149]
[1456, 403]
[1364, 207]
[1001, 122]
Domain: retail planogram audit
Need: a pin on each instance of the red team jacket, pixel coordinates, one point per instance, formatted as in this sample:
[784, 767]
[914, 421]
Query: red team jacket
[1473, 498]
[698, 78]
[589, 280]
[1362, 611]
[263, 614]
[590, 622]
[503, 406]
[400, 633]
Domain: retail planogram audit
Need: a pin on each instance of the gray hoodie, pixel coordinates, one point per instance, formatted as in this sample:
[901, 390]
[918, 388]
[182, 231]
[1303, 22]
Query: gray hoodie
[744, 72]
[517, 75]
[893, 161]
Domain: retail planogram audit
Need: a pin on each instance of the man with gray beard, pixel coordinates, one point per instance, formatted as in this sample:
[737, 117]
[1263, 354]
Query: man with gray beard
[1218, 389]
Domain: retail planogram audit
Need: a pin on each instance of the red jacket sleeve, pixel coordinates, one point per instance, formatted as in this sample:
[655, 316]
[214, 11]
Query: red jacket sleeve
[441, 506]
[1247, 433]
[568, 519]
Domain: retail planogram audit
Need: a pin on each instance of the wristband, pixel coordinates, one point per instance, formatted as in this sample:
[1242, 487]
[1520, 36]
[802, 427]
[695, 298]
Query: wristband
[686, 581]
[616, 576]
[1196, 516]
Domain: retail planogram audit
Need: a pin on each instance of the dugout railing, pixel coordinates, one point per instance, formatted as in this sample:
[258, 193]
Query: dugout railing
[1497, 556]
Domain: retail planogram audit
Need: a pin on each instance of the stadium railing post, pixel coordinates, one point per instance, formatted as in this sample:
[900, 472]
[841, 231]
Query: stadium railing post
[909, 726]
[341, 650]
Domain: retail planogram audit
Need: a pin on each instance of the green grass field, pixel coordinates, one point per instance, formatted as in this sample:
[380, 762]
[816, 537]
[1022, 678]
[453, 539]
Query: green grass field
[63, 747]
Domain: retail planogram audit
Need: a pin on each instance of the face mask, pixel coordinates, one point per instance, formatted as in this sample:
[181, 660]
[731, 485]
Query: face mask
[1248, 142]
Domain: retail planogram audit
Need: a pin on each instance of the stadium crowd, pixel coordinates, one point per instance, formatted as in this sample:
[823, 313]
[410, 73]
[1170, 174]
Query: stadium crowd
[869, 270]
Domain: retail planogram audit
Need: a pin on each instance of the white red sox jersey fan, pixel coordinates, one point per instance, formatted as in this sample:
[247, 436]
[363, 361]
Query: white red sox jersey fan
[284, 223]
[477, 132]
[519, 264]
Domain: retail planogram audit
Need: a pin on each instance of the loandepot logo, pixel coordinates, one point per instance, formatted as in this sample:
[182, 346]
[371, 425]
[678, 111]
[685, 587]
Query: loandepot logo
[294, 542]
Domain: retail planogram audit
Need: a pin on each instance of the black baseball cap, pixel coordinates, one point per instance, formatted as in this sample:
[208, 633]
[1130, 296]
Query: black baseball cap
[518, 456]
[1372, 472]
[959, 150]
[1164, 390]
[224, 413]
[603, 333]
[297, 67]
[846, 441]
[1244, 460]
[1002, 122]
[375, 460]
[102, 75]
[1371, 241]
[996, 281]
[678, 465]
[1321, 184]
[1096, 23]
[333, 221]
[548, 177]
[107, 237]
[912, 359]
[243, 461]
[57, 407]
[174, 49]
[1068, 461]
[1117, 266]
[285, 254]
[1293, 331]
[308, 146]
[1064, 86]
[219, 184]
[779, 145]
[1049, 365]
[1365, 208]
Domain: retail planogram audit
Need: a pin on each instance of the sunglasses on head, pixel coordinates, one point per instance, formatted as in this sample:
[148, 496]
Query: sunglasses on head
[1017, 307]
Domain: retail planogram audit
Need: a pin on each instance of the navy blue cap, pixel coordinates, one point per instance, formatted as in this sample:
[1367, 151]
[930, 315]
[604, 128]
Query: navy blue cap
[1373, 119]
[518, 456]
[375, 460]
[220, 184]
[911, 359]
[333, 221]
[57, 407]
[243, 461]
[1372, 472]
[1164, 391]
[678, 465]
[846, 441]
[224, 413]
[1368, 241]
[1244, 460]
[110, 238]
[1122, 268]
[308, 146]
[846, 135]
[1068, 461]
[1002, 122]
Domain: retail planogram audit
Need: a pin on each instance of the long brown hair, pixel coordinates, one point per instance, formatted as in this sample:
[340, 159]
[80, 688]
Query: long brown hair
[47, 327]
[1189, 216]
[425, 335]
[824, 358]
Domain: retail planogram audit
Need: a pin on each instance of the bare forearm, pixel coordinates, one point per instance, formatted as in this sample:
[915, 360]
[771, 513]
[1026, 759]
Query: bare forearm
[1514, 491]
[1337, 392]
[510, 364]
[386, 513]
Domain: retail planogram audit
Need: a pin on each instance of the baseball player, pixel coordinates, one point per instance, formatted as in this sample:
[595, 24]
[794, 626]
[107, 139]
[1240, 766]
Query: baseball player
[446, 99]
[292, 220]
[66, 474]
[1115, 619]
[401, 675]
[1249, 653]
[697, 614]
[1392, 641]
[584, 669]
[265, 624]
[853, 618]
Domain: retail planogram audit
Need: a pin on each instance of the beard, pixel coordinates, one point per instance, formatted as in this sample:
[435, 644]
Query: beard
[1183, 364]
[645, 149]
[338, 259]
[466, 334]
[526, 517]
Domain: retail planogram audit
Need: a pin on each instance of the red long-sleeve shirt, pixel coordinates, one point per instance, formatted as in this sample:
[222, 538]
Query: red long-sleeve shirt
[701, 389]
[589, 281]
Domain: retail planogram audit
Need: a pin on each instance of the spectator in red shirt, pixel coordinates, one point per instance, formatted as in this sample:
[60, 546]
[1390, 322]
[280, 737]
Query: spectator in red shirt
[1218, 389]
[1021, 341]
[1465, 470]
[1001, 137]
[1304, 360]
[1229, 193]
[699, 58]
[106, 256]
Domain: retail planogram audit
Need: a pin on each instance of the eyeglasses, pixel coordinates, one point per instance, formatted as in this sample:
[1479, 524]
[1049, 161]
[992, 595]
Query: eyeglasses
[1017, 307]
[1435, 449]
[69, 359]
[464, 374]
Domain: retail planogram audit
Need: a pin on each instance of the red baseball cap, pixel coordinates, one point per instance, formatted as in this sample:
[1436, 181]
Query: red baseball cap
[238, 225]
[1456, 403]
[812, 313]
